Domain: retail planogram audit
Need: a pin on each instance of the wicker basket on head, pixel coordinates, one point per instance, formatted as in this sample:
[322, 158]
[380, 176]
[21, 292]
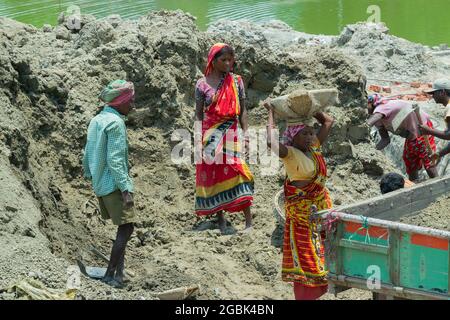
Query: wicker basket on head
[300, 105]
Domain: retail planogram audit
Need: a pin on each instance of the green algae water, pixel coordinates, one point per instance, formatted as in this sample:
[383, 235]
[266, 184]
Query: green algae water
[422, 21]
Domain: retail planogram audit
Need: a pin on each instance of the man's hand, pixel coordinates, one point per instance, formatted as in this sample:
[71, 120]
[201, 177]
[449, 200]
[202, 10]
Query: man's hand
[435, 158]
[424, 129]
[383, 144]
[127, 199]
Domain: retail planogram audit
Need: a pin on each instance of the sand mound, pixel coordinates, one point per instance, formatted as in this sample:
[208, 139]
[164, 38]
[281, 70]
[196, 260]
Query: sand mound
[436, 216]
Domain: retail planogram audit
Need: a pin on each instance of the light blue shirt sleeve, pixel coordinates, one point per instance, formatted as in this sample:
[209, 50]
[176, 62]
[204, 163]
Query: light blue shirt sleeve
[117, 156]
[86, 171]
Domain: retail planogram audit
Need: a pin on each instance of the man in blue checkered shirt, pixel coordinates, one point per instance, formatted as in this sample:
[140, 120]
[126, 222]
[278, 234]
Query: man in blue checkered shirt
[105, 163]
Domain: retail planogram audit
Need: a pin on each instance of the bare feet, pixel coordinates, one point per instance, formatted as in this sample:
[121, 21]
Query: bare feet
[247, 230]
[248, 218]
[222, 223]
[121, 278]
[113, 282]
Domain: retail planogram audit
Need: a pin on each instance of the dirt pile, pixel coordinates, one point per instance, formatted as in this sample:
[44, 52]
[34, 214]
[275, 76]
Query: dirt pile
[381, 55]
[50, 80]
[386, 56]
[436, 215]
[274, 34]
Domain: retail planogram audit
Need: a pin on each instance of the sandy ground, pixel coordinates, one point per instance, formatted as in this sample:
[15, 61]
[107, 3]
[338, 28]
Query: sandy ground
[49, 80]
[436, 215]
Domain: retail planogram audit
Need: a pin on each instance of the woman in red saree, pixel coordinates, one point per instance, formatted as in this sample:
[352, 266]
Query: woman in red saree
[303, 261]
[223, 179]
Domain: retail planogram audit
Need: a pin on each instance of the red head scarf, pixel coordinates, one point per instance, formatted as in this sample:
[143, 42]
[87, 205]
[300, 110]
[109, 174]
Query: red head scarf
[226, 102]
[215, 49]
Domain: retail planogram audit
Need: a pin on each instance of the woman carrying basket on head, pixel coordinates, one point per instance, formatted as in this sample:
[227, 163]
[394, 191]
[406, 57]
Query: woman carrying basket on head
[303, 262]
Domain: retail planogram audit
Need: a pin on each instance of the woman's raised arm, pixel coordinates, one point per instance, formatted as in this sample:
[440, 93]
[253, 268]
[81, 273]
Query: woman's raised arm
[272, 142]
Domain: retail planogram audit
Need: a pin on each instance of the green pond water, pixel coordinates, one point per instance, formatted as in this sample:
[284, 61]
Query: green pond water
[422, 21]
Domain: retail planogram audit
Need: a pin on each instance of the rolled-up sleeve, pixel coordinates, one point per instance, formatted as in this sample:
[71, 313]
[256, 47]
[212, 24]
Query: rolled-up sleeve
[117, 156]
[86, 171]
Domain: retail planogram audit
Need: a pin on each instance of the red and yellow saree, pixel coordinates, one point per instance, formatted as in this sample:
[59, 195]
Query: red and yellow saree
[303, 261]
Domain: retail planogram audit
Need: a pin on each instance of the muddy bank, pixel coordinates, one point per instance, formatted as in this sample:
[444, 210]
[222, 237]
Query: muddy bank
[50, 79]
